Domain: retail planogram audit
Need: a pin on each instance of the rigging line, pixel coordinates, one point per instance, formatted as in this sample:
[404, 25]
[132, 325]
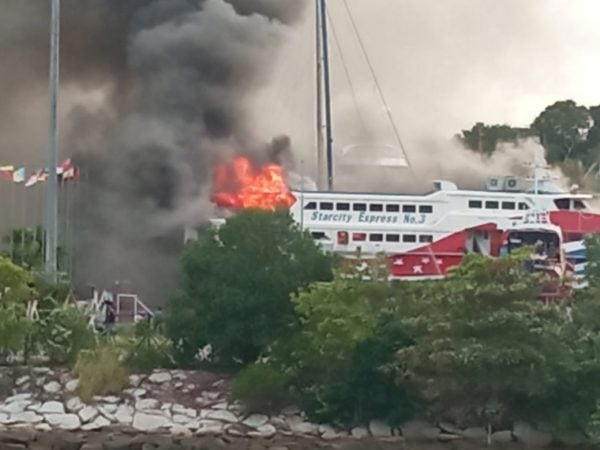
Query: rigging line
[347, 72]
[377, 85]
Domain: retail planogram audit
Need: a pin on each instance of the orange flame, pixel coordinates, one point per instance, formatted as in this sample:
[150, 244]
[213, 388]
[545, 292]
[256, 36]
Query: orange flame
[239, 185]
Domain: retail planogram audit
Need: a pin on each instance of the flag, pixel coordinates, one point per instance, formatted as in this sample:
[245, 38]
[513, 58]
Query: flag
[32, 180]
[18, 175]
[6, 172]
[64, 167]
[70, 174]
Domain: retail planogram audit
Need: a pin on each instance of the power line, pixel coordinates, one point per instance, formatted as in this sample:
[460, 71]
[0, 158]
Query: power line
[377, 85]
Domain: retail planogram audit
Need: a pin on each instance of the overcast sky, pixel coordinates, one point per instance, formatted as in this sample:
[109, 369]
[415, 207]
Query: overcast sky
[443, 65]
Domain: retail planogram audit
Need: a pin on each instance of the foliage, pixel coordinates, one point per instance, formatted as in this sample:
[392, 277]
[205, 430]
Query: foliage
[26, 247]
[334, 363]
[15, 283]
[262, 387]
[484, 347]
[62, 331]
[14, 328]
[485, 138]
[237, 282]
[148, 348]
[100, 372]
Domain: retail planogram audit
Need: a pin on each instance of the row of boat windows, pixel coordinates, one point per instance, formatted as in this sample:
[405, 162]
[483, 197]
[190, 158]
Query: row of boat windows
[371, 207]
[381, 237]
[493, 204]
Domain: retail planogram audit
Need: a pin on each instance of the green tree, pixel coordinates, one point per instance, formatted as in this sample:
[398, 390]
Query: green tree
[236, 285]
[485, 138]
[482, 343]
[563, 130]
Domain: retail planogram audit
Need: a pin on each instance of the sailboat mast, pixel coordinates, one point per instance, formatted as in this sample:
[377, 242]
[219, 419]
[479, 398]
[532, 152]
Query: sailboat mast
[319, 72]
[327, 92]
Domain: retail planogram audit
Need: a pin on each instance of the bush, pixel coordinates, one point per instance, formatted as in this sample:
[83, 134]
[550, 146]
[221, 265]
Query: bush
[14, 329]
[148, 348]
[236, 286]
[100, 372]
[15, 283]
[62, 332]
[261, 387]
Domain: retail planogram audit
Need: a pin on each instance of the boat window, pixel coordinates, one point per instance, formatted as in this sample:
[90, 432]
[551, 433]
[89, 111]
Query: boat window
[359, 207]
[475, 204]
[523, 206]
[359, 236]
[392, 207]
[425, 209]
[392, 237]
[318, 235]
[311, 205]
[409, 208]
[375, 207]
[342, 206]
[508, 205]
[409, 238]
[491, 205]
[562, 203]
[578, 204]
[425, 238]
[376, 237]
[327, 206]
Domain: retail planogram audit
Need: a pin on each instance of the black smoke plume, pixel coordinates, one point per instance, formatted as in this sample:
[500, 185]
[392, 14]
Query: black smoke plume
[173, 77]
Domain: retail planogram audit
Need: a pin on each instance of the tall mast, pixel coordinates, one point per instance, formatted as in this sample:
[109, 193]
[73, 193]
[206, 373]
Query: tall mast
[327, 92]
[52, 184]
[319, 71]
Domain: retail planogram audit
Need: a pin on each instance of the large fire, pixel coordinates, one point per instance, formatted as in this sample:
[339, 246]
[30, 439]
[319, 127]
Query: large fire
[240, 185]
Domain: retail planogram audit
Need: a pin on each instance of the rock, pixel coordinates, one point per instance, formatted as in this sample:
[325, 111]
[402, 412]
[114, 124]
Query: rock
[417, 430]
[18, 397]
[211, 395]
[180, 409]
[42, 371]
[178, 430]
[139, 392]
[190, 387]
[528, 435]
[34, 407]
[149, 422]
[266, 431]
[97, 424]
[52, 407]
[147, 403]
[72, 385]
[5, 419]
[53, 387]
[22, 380]
[221, 415]
[328, 433]
[255, 420]
[297, 425]
[160, 377]
[475, 434]
[15, 407]
[210, 427]
[74, 404]
[221, 405]
[124, 414]
[380, 429]
[63, 421]
[43, 427]
[449, 428]
[111, 399]
[502, 436]
[135, 380]
[359, 432]
[448, 437]
[27, 417]
[88, 414]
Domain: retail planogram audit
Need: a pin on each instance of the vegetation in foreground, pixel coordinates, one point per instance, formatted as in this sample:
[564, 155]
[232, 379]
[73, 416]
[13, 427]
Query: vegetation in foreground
[477, 348]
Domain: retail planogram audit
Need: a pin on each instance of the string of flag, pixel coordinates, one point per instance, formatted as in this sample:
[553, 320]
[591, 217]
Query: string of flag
[65, 172]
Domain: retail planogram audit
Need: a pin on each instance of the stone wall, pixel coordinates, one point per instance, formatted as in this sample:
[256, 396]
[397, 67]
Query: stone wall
[185, 409]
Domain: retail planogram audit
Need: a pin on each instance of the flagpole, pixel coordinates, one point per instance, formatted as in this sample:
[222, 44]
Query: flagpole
[52, 186]
[24, 229]
[12, 222]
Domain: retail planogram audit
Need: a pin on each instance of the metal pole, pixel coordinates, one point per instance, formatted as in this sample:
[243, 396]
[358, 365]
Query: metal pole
[319, 72]
[327, 89]
[52, 185]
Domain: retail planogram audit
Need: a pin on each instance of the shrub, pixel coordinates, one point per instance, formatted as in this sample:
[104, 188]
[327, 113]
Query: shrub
[14, 329]
[236, 286]
[100, 372]
[148, 348]
[15, 283]
[261, 387]
[62, 332]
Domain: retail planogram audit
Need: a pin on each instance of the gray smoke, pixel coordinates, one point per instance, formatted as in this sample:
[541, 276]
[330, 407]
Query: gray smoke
[160, 89]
